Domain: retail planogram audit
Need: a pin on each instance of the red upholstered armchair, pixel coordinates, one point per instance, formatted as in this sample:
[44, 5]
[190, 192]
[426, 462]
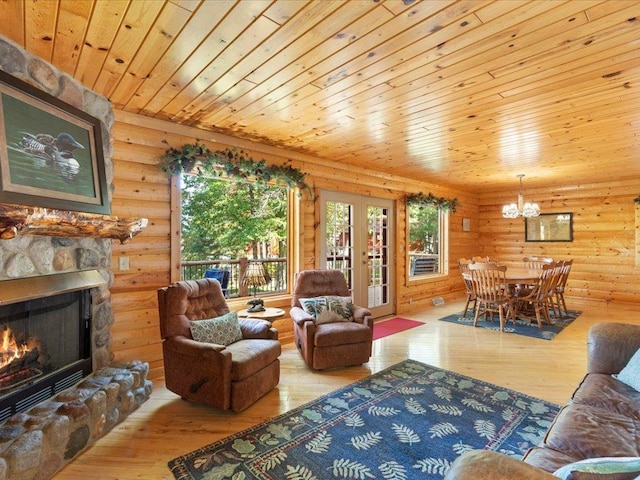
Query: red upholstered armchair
[335, 344]
[223, 376]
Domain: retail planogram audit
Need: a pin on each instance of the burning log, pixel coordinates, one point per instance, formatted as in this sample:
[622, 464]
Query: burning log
[23, 362]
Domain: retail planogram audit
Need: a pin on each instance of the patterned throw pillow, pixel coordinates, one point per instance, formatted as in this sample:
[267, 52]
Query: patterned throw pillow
[630, 374]
[611, 468]
[223, 330]
[328, 309]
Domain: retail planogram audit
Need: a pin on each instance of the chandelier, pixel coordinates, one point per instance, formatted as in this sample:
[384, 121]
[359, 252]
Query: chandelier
[521, 209]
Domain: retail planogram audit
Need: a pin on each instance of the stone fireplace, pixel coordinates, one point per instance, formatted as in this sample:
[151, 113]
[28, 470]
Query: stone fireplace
[44, 425]
[45, 327]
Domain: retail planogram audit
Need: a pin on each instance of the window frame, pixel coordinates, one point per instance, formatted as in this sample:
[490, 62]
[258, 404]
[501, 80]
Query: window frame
[443, 255]
[293, 232]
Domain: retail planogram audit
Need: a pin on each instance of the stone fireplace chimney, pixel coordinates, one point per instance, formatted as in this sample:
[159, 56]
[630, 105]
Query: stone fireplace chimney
[40, 441]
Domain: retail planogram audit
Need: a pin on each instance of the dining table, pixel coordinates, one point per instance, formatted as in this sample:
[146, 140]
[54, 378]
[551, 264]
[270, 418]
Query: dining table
[522, 275]
[518, 275]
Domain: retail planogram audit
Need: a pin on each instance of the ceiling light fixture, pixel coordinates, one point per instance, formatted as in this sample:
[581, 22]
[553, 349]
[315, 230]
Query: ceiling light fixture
[521, 209]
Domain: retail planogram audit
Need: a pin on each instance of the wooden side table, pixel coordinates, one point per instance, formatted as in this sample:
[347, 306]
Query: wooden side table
[269, 314]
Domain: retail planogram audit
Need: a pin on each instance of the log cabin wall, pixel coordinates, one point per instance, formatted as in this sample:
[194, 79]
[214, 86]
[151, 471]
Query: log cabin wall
[605, 231]
[142, 189]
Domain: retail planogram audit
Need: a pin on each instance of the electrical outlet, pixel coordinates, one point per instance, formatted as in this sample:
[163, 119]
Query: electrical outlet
[124, 263]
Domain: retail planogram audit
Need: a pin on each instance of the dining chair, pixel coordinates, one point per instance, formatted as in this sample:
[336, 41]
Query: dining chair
[480, 259]
[557, 298]
[536, 262]
[491, 291]
[463, 264]
[538, 295]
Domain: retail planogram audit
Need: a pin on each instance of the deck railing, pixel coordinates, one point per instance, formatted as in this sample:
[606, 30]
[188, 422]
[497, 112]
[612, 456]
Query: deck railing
[277, 268]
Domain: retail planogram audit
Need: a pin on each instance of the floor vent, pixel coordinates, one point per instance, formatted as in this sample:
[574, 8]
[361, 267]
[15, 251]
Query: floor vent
[438, 301]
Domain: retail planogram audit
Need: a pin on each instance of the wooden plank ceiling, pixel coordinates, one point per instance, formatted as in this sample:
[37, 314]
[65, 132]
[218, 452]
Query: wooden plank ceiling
[466, 93]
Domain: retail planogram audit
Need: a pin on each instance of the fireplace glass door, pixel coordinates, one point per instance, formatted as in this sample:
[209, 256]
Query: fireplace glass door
[45, 348]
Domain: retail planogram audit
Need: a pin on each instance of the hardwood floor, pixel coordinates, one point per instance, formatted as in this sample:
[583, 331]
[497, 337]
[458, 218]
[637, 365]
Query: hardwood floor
[166, 426]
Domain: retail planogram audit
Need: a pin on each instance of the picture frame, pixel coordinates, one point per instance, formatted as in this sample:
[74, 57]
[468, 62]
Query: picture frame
[549, 227]
[51, 153]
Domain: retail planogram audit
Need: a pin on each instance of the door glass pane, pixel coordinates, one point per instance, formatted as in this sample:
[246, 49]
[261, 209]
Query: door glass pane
[339, 241]
[377, 256]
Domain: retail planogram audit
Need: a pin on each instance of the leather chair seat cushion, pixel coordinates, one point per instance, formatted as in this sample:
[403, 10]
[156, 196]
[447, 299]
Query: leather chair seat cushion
[341, 333]
[601, 390]
[583, 431]
[547, 459]
[250, 356]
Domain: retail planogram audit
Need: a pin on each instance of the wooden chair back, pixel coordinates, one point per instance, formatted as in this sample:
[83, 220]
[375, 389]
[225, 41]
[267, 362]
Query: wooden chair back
[481, 259]
[542, 289]
[536, 262]
[564, 275]
[463, 265]
[489, 282]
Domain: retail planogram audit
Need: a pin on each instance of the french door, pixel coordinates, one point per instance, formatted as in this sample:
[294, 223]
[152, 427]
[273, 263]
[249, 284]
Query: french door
[357, 234]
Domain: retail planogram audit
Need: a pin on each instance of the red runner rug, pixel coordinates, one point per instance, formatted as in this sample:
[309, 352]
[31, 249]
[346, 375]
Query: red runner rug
[393, 325]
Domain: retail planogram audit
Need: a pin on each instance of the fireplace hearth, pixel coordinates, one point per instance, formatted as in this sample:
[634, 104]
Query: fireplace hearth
[59, 392]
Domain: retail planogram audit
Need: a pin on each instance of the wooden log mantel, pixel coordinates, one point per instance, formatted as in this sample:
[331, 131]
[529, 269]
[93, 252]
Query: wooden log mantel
[18, 220]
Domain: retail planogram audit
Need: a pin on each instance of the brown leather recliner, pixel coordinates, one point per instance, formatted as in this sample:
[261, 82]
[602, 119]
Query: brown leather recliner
[328, 345]
[232, 376]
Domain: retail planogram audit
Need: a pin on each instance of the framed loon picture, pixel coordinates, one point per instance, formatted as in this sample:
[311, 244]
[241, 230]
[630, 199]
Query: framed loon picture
[51, 153]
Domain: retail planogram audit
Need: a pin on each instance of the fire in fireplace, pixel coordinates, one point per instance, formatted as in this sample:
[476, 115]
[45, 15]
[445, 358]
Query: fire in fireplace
[18, 360]
[46, 341]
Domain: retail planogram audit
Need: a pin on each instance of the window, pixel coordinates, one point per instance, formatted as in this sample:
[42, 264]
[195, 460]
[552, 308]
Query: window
[427, 240]
[226, 224]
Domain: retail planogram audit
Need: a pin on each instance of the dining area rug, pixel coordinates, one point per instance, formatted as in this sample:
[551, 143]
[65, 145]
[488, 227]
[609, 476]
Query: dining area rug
[524, 327]
[408, 421]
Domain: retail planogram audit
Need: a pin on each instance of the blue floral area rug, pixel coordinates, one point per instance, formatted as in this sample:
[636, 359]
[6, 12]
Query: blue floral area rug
[409, 421]
[526, 327]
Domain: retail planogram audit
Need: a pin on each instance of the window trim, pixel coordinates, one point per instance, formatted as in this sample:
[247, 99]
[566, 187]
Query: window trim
[443, 220]
[294, 252]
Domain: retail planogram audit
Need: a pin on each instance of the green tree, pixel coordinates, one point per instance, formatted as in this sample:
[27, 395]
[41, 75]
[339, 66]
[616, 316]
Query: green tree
[223, 218]
[424, 223]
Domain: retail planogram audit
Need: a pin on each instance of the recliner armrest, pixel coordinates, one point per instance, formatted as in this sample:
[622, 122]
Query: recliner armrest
[360, 315]
[257, 328]
[610, 346]
[299, 316]
[188, 346]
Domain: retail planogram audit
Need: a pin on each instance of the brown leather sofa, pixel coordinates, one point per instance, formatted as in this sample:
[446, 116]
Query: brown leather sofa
[329, 345]
[601, 419]
[232, 376]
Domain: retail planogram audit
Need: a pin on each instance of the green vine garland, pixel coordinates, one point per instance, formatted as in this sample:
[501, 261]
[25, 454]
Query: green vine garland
[637, 200]
[431, 200]
[230, 162]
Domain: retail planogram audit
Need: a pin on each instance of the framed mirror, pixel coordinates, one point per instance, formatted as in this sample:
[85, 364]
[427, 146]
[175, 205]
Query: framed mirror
[549, 227]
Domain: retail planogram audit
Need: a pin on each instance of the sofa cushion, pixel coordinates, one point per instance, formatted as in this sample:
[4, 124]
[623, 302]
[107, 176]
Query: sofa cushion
[583, 431]
[603, 476]
[602, 390]
[223, 330]
[630, 374]
[328, 309]
[605, 468]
